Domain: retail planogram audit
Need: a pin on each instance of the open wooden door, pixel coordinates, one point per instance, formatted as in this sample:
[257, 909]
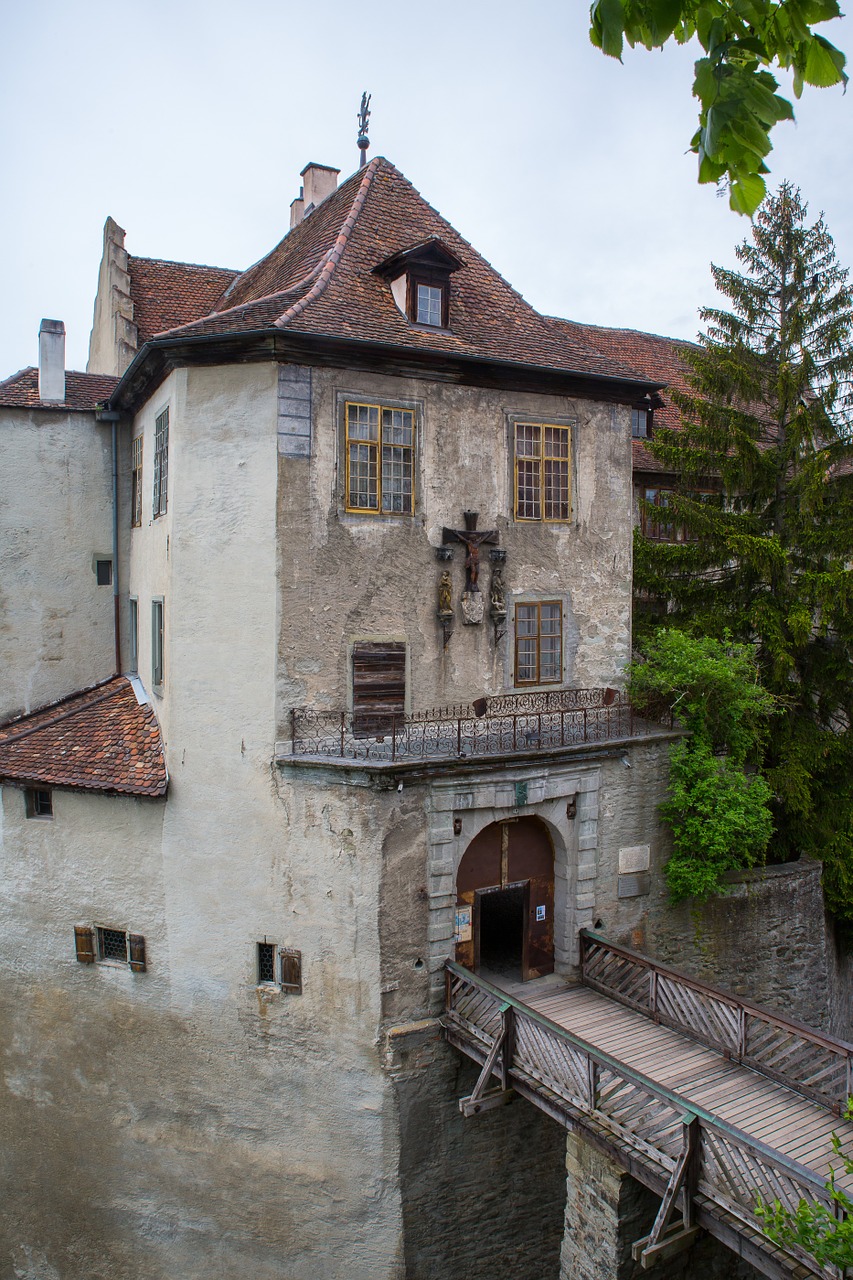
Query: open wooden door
[505, 900]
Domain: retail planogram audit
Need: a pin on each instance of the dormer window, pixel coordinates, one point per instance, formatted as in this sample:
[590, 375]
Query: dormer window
[419, 279]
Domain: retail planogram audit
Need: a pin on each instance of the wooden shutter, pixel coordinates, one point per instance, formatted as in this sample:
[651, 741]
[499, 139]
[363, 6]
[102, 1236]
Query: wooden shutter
[137, 952]
[291, 970]
[84, 941]
[378, 686]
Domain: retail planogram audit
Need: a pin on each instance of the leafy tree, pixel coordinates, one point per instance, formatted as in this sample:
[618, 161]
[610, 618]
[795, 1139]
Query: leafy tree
[765, 552]
[719, 814]
[824, 1230]
[738, 102]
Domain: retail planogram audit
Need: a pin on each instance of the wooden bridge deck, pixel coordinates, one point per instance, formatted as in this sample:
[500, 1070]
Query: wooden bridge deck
[772, 1113]
[712, 1102]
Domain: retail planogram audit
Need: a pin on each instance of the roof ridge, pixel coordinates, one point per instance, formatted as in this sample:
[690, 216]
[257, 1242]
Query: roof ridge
[174, 262]
[63, 715]
[331, 259]
[609, 328]
[58, 702]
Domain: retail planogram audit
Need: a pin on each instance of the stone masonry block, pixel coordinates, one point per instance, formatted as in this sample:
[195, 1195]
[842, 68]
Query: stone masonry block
[587, 842]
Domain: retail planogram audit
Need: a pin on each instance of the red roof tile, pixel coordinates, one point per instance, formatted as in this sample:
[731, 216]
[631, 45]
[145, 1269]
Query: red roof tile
[101, 739]
[83, 391]
[657, 357]
[166, 294]
[320, 280]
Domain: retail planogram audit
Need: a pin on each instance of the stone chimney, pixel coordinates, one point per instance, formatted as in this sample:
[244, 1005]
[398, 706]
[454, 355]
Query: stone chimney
[297, 209]
[52, 360]
[318, 181]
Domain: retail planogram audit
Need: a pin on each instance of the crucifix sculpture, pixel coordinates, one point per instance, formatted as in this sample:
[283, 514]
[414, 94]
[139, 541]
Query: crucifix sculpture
[472, 540]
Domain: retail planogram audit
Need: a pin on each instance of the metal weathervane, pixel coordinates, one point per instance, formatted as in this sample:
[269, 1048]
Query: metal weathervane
[363, 121]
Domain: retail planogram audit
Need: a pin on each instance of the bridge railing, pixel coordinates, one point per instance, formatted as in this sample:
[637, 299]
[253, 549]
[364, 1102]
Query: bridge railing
[558, 1070]
[818, 1066]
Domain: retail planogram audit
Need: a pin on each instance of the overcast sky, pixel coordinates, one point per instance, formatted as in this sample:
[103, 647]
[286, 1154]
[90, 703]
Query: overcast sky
[189, 122]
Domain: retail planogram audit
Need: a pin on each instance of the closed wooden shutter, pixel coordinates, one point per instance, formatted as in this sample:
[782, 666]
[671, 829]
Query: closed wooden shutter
[291, 970]
[378, 686]
[84, 940]
[137, 952]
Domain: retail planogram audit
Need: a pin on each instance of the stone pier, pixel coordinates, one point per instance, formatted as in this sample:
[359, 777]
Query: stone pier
[607, 1210]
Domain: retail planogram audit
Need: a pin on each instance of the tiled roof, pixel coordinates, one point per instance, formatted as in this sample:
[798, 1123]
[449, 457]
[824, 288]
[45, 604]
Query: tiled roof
[657, 357]
[102, 739]
[83, 391]
[320, 280]
[166, 294]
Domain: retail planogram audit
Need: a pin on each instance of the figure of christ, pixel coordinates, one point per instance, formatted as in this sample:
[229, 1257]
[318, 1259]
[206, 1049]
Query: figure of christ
[472, 541]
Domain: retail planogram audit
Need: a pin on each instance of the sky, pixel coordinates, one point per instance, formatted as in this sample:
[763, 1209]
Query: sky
[189, 123]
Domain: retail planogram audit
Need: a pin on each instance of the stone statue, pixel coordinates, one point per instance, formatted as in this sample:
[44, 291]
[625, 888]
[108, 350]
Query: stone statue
[445, 595]
[497, 595]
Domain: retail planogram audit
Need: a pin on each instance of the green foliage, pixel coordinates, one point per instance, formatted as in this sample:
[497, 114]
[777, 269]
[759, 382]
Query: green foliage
[738, 102]
[719, 815]
[767, 424]
[824, 1230]
[720, 819]
[710, 686]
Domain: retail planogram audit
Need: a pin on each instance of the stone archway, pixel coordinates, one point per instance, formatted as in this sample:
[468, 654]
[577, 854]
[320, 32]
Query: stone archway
[505, 900]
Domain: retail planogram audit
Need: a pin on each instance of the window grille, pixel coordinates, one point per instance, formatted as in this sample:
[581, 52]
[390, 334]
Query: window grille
[104, 573]
[542, 472]
[161, 462]
[266, 962]
[380, 459]
[539, 642]
[112, 944]
[136, 481]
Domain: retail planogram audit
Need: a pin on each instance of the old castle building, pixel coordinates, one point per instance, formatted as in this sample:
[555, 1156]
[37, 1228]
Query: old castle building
[316, 607]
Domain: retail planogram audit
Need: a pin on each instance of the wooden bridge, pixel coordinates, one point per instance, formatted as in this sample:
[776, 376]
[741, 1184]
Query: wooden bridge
[710, 1101]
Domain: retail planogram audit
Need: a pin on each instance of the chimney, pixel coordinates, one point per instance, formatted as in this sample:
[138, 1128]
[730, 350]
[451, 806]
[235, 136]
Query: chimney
[318, 182]
[297, 209]
[52, 360]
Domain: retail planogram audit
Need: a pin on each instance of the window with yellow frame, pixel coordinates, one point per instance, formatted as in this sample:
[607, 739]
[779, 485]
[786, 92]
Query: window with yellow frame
[380, 459]
[543, 487]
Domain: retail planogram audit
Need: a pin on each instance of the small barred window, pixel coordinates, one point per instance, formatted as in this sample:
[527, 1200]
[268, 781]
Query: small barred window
[266, 962]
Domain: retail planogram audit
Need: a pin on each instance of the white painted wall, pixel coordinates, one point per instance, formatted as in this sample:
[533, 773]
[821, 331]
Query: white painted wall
[56, 623]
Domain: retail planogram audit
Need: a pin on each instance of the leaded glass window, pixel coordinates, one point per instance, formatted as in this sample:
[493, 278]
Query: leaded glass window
[380, 449]
[542, 472]
[539, 642]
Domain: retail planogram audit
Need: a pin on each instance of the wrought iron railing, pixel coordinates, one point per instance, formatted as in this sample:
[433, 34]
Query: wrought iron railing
[818, 1066]
[695, 1153]
[507, 724]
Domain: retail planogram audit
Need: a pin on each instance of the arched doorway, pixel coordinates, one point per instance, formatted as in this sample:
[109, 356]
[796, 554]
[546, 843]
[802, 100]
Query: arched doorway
[505, 901]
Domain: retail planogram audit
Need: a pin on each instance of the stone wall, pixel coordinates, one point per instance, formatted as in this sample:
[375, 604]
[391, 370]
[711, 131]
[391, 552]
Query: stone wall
[765, 939]
[481, 1198]
[607, 1211]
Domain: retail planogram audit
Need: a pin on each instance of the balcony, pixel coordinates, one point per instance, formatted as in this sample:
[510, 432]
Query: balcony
[508, 725]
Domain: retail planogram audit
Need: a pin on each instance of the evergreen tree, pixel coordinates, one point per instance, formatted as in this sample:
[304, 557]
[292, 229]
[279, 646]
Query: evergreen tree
[762, 513]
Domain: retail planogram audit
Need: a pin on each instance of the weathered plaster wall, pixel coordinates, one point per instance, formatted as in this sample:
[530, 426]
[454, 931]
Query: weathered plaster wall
[348, 577]
[56, 623]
